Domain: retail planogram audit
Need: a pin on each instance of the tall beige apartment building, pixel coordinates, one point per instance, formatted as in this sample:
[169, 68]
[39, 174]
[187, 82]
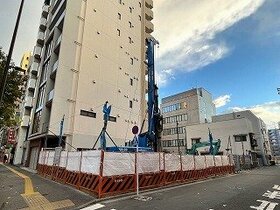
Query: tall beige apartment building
[88, 52]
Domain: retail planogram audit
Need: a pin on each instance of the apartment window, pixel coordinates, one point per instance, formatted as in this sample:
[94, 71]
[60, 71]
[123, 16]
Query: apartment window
[44, 72]
[120, 1]
[88, 113]
[41, 96]
[131, 82]
[130, 24]
[130, 9]
[130, 104]
[140, 18]
[140, 5]
[36, 122]
[27, 58]
[118, 32]
[119, 16]
[131, 61]
[129, 40]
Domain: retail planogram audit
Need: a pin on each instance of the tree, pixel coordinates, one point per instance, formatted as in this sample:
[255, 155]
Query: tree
[13, 93]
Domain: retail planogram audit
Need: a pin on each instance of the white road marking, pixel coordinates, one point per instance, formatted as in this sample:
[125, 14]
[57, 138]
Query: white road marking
[269, 205]
[94, 207]
[276, 187]
[272, 195]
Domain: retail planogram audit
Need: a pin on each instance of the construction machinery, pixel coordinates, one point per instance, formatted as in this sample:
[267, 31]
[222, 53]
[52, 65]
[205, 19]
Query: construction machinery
[214, 146]
[149, 140]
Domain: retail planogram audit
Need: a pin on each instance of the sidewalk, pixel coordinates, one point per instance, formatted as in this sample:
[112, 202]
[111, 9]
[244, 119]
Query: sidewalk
[21, 189]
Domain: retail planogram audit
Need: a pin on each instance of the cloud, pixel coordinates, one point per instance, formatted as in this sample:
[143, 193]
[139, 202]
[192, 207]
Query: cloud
[268, 112]
[221, 101]
[187, 30]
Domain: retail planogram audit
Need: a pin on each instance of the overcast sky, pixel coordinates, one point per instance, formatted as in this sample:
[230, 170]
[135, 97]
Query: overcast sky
[229, 47]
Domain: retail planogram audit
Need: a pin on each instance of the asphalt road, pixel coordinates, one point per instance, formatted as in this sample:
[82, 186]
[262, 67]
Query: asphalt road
[235, 192]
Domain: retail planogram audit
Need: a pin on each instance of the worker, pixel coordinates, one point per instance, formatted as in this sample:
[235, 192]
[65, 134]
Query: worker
[5, 158]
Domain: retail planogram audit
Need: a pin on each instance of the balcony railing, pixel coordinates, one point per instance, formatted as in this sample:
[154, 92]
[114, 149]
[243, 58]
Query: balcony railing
[31, 84]
[43, 23]
[28, 102]
[40, 38]
[37, 52]
[34, 68]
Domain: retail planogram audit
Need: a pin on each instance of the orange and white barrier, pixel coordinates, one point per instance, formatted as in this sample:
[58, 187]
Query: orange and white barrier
[108, 173]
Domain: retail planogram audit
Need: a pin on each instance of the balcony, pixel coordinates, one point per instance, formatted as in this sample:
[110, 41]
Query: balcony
[45, 11]
[34, 68]
[28, 102]
[25, 121]
[149, 4]
[40, 38]
[43, 23]
[149, 27]
[149, 14]
[58, 40]
[37, 52]
[54, 70]
[50, 98]
[31, 84]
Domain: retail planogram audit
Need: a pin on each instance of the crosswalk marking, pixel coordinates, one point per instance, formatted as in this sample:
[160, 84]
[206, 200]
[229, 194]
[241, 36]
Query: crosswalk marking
[94, 207]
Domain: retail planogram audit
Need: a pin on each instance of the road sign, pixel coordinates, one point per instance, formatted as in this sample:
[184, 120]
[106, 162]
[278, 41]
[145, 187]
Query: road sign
[135, 129]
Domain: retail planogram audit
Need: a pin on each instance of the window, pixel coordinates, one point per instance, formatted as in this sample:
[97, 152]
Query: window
[25, 65]
[131, 61]
[88, 113]
[44, 72]
[119, 16]
[27, 58]
[129, 40]
[130, 104]
[36, 122]
[120, 1]
[112, 119]
[240, 138]
[195, 140]
[118, 32]
[130, 24]
[140, 5]
[140, 17]
[41, 96]
[131, 82]
[130, 9]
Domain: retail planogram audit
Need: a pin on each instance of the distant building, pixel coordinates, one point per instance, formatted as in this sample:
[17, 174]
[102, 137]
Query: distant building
[194, 106]
[274, 138]
[25, 60]
[24, 109]
[241, 133]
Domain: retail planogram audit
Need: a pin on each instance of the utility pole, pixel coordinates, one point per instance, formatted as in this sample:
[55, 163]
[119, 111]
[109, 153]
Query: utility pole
[5, 73]
[177, 129]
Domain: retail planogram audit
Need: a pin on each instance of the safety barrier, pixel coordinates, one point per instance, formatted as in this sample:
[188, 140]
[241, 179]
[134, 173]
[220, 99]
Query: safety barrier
[107, 173]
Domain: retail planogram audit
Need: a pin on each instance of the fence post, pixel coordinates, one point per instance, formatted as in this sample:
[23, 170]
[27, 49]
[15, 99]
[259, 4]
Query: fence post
[100, 174]
[181, 171]
[164, 173]
[205, 167]
[80, 167]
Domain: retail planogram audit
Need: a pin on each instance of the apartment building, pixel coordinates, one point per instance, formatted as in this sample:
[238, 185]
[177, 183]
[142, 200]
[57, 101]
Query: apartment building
[87, 53]
[190, 107]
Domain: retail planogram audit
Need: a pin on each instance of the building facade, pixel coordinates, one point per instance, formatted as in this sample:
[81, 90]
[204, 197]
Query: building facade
[87, 53]
[190, 107]
[241, 133]
[274, 138]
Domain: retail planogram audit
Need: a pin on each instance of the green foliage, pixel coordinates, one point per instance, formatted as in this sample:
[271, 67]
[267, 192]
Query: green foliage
[13, 92]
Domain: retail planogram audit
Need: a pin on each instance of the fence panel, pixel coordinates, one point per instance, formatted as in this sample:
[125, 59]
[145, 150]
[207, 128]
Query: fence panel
[199, 162]
[148, 162]
[63, 159]
[209, 161]
[218, 161]
[50, 158]
[118, 164]
[91, 162]
[187, 162]
[73, 162]
[172, 162]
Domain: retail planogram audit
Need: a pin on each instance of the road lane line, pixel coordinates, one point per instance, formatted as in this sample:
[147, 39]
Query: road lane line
[94, 207]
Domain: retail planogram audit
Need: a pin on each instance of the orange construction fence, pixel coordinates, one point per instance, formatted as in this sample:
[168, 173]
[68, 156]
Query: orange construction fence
[108, 173]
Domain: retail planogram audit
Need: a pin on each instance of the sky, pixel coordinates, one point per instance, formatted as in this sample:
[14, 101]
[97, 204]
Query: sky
[229, 47]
